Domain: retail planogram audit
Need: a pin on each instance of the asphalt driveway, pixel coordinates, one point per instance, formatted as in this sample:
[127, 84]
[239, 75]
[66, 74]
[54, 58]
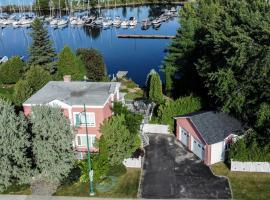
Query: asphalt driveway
[170, 171]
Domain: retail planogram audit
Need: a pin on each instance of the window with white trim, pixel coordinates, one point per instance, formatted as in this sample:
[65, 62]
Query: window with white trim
[81, 140]
[80, 120]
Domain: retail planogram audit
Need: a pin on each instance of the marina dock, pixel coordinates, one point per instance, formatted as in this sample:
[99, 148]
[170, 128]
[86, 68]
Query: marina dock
[146, 36]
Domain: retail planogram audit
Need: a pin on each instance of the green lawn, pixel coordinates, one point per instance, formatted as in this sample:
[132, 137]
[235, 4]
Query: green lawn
[127, 187]
[18, 190]
[134, 95]
[245, 185]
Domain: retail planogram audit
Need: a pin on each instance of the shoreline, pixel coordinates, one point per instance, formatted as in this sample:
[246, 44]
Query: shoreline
[15, 8]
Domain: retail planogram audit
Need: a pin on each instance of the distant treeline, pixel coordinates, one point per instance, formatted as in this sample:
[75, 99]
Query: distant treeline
[82, 4]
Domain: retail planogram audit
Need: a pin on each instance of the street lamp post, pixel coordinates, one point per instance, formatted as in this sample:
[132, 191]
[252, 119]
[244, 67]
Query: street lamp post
[90, 170]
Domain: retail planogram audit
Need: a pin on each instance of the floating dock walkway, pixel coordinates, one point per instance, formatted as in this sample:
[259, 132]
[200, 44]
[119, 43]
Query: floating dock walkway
[146, 36]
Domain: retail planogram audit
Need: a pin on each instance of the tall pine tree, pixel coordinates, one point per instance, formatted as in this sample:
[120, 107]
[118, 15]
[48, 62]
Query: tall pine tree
[41, 51]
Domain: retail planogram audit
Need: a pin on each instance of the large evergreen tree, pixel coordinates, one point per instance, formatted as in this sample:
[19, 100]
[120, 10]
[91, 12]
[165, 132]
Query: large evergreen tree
[94, 64]
[14, 140]
[52, 143]
[70, 64]
[222, 50]
[41, 51]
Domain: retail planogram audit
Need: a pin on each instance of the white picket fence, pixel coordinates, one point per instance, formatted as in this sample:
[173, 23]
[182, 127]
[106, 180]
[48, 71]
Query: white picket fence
[133, 162]
[250, 166]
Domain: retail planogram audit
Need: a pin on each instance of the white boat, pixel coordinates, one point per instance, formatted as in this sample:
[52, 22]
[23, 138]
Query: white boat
[125, 24]
[8, 21]
[105, 24]
[99, 21]
[62, 22]
[16, 24]
[117, 21]
[173, 10]
[54, 22]
[156, 21]
[25, 21]
[48, 19]
[146, 23]
[4, 59]
[133, 21]
[73, 22]
[80, 22]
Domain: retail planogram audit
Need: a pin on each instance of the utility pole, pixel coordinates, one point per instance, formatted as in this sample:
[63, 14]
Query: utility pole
[90, 170]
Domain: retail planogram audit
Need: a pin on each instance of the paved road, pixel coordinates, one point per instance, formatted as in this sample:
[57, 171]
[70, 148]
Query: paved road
[170, 171]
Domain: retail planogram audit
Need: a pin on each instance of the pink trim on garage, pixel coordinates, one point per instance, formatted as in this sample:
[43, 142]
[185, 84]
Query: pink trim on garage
[191, 129]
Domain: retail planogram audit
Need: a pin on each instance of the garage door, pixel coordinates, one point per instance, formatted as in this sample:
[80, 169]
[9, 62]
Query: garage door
[198, 149]
[184, 137]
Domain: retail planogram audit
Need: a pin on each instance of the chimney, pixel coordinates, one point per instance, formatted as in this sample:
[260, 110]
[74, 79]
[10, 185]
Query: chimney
[67, 78]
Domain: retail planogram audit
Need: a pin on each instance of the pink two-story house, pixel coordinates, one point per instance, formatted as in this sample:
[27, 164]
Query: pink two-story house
[71, 96]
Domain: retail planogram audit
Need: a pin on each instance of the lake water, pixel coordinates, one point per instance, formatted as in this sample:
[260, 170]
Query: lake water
[137, 56]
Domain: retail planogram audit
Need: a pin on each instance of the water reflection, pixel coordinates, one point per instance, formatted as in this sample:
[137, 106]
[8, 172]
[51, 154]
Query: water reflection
[138, 56]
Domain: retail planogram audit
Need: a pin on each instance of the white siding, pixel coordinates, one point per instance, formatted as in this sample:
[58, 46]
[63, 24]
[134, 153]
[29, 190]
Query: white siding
[217, 152]
[192, 140]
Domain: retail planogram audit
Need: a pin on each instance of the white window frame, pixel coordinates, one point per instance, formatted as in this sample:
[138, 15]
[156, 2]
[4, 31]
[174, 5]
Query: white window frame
[91, 114]
[84, 135]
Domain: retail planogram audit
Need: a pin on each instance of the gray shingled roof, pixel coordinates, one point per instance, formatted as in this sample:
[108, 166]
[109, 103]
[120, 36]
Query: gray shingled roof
[214, 126]
[74, 93]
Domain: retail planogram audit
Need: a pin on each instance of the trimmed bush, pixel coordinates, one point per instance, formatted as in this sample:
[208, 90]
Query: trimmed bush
[181, 106]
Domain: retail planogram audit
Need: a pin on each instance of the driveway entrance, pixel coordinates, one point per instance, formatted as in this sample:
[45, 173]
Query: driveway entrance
[171, 171]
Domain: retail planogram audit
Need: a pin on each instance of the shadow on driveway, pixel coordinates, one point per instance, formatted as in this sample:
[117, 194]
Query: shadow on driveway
[171, 171]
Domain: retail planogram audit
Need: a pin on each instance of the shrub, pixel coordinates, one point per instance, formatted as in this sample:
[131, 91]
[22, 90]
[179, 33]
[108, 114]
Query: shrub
[181, 106]
[37, 77]
[99, 163]
[248, 149]
[22, 91]
[12, 70]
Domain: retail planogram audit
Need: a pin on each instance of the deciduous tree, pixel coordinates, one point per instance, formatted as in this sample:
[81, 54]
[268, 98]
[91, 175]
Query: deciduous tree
[69, 64]
[12, 70]
[94, 64]
[37, 77]
[120, 142]
[22, 91]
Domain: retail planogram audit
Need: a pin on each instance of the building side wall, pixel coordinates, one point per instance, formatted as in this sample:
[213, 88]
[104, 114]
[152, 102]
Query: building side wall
[194, 134]
[217, 152]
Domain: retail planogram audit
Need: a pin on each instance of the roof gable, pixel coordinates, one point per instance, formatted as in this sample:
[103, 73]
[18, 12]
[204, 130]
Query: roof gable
[214, 126]
[74, 93]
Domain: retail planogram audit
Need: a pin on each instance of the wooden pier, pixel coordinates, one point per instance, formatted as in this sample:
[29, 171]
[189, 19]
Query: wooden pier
[146, 36]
